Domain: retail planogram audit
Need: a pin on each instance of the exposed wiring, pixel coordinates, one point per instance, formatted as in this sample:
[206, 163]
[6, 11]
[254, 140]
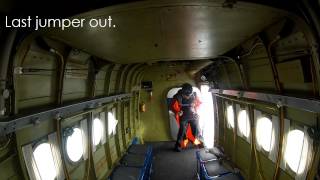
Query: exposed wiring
[224, 123]
[258, 161]
[235, 136]
[6, 144]
[315, 87]
[226, 58]
[62, 66]
[314, 163]
[58, 126]
[252, 49]
[273, 66]
[89, 164]
[89, 140]
[253, 143]
[281, 134]
[281, 109]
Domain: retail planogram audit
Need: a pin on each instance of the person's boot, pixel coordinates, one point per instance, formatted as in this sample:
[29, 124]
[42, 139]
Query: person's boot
[184, 143]
[198, 143]
[177, 147]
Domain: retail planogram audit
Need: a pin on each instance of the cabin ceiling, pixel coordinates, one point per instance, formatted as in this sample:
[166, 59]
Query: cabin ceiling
[151, 31]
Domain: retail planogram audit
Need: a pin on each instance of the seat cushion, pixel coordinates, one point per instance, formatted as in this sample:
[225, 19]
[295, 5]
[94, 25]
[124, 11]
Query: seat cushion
[126, 173]
[214, 168]
[139, 149]
[134, 160]
[205, 155]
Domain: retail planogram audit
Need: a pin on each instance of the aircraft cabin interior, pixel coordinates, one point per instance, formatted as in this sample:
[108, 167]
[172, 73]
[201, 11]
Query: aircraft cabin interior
[160, 90]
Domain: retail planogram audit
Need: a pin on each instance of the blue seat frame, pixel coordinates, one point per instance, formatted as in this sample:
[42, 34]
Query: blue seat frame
[202, 172]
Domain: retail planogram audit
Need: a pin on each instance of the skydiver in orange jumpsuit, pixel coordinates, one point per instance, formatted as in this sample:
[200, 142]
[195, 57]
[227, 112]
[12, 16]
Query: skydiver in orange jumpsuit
[185, 104]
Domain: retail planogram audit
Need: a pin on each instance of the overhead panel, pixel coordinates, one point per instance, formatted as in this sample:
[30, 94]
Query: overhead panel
[150, 31]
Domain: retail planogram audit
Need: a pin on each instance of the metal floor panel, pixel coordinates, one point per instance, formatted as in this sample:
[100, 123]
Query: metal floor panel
[171, 165]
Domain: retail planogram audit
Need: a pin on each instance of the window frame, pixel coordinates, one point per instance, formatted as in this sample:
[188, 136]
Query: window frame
[268, 116]
[228, 125]
[295, 126]
[113, 111]
[65, 137]
[97, 116]
[36, 144]
[246, 109]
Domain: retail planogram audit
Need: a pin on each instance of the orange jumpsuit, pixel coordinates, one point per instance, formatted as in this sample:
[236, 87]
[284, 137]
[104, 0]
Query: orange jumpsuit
[176, 107]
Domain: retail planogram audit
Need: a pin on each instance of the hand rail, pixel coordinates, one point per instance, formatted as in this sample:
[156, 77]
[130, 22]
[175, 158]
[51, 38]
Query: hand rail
[12, 124]
[310, 105]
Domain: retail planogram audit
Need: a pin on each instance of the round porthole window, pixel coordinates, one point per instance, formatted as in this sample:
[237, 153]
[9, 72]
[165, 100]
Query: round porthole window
[74, 145]
[264, 133]
[243, 123]
[296, 151]
[44, 161]
[97, 131]
[112, 123]
[230, 116]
